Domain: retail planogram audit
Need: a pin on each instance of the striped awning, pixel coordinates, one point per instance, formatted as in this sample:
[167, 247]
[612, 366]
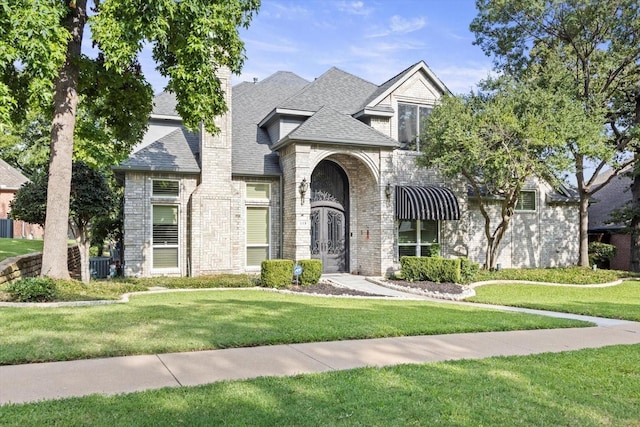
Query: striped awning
[429, 202]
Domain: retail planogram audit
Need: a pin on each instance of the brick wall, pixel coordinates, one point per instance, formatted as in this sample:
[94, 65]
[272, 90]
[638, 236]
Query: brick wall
[30, 265]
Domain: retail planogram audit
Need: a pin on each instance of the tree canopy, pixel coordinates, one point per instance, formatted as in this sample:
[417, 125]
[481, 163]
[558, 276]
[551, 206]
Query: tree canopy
[593, 50]
[97, 103]
[499, 138]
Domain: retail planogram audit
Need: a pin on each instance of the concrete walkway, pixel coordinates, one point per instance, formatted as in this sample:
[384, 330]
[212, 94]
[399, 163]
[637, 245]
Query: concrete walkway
[39, 381]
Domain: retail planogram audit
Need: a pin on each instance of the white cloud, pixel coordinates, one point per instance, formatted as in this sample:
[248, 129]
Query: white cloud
[353, 7]
[462, 79]
[404, 26]
[399, 25]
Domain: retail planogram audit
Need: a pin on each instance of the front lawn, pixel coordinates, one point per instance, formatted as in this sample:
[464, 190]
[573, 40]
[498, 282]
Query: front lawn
[13, 247]
[579, 388]
[199, 320]
[617, 302]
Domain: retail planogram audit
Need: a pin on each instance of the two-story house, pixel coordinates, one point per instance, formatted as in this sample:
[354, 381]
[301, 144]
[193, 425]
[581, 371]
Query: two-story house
[323, 169]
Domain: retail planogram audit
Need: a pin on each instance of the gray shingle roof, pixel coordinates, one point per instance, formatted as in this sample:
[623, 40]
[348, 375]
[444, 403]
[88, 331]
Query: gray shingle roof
[344, 92]
[251, 153]
[612, 196]
[10, 177]
[331, 126]
[164, 104]
[175, 152]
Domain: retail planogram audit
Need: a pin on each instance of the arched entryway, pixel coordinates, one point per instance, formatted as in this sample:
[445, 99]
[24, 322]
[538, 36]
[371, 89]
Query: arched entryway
[330, 217]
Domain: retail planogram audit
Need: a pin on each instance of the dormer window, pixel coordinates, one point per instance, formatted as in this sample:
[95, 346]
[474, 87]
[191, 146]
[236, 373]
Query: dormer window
[411, 122]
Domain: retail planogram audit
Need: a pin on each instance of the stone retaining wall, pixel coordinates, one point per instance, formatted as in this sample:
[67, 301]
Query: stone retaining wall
[16, 268]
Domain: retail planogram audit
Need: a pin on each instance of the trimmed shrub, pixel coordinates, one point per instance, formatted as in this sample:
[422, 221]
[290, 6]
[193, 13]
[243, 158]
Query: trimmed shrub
[33, 289]
[311, 271]
[432, 269]
[601, 253]
[276, 273]
[433, 250]
[468, 270]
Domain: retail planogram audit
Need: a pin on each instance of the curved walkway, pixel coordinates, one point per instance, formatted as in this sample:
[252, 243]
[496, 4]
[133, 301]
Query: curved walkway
[40, 381]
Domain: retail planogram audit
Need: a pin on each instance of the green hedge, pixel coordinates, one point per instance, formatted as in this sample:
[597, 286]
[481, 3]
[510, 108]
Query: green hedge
[276, 273]
[433, 250]
[311, 271]
[33, 289]
[468, 270]
[432, 269]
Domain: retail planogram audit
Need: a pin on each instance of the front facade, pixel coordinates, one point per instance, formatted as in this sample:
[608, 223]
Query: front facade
[323, 169]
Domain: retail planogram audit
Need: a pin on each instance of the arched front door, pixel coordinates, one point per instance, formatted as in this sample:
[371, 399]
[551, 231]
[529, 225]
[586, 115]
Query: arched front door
[329, 217]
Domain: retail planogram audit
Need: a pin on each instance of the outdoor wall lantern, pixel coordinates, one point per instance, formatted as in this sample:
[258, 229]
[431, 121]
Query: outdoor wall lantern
[387, 191]
[304, 186]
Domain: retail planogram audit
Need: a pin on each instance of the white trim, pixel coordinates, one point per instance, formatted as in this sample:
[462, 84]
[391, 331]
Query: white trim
[535, 201]
[419, 66]
[165, 196]
[170, 270]
[246, 233]
[417, 244]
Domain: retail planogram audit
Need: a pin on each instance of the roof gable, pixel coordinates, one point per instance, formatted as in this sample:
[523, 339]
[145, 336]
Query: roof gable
[338, 89]
[10, 177]
[175, 152]
[384, 90]
[331, 126]
[164, 104]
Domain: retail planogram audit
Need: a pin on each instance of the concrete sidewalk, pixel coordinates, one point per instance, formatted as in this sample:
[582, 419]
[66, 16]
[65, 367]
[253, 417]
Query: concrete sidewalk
[41, 381]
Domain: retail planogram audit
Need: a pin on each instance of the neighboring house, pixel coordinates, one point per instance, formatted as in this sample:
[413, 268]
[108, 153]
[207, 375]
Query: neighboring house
[10, 181]
[615, 195]
[323, 169]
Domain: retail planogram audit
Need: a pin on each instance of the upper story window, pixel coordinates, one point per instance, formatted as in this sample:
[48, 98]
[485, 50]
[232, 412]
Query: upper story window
[526, 201]
[411, 119]
[165, 188]
[258, 190]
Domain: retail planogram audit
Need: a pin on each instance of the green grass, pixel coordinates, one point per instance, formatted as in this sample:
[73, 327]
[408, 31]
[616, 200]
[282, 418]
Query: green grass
[198, 320]
[13, 247]
[618, 302]
[579, 388]
[567, 275]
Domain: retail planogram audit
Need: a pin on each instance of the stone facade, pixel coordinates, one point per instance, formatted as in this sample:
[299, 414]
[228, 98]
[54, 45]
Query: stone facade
[213, 203]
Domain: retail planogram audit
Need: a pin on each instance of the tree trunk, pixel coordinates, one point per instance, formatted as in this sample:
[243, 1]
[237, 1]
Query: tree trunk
[635, 222]
[84, 244]
[583, 259]
[65, 98]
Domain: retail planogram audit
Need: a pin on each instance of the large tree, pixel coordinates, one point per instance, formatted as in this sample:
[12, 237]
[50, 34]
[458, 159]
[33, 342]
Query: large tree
[99, 105]
[497, 139]
[595, 45]
[91, 201]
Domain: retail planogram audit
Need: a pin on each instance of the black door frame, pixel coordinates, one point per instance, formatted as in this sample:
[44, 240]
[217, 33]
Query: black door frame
[323, 197]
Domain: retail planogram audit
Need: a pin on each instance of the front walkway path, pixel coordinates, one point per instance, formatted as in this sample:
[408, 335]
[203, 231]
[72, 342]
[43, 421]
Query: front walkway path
[39, 381]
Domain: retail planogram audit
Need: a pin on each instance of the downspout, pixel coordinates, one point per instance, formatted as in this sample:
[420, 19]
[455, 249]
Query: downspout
[281, 248]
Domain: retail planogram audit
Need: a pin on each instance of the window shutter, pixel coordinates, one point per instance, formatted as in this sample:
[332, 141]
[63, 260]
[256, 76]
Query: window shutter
[166, 188]
[257, 225]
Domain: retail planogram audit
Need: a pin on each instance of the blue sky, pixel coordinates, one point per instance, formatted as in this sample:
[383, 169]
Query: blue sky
[373, 39]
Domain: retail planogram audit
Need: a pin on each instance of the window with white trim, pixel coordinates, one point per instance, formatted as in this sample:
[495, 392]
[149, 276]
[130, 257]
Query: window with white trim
[415, 236]
[165, 188]
[526, 201]
[411, 123]
[165, 237]
[258, 223]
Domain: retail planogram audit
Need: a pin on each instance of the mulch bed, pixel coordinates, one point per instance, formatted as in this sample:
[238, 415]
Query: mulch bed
[329, 289]
[324, 288]
[443, 288]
